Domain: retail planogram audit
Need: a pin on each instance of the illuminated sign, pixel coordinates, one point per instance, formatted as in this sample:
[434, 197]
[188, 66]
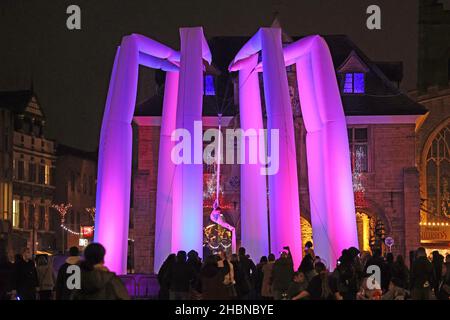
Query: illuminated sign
[431, 234]
[83, 242]
[87, 231]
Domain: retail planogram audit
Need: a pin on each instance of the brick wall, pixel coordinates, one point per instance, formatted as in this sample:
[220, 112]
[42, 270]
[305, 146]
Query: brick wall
[144, 198]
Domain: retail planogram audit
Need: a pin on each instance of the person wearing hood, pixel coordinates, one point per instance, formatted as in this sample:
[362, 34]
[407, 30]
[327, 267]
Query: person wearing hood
[62, 292]
[46, 277]
[212, 278]
[163, 276]
[97, 282]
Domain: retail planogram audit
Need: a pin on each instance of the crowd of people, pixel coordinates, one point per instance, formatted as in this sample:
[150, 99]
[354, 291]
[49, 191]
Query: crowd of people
[184, 276]
[23, 277]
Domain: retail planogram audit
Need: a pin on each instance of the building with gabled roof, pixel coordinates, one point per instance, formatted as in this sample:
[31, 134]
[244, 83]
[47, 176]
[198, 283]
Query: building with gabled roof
[26, 172]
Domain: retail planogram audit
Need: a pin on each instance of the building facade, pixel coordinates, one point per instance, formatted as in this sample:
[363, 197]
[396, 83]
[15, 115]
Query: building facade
[28, 162]
[75, 183]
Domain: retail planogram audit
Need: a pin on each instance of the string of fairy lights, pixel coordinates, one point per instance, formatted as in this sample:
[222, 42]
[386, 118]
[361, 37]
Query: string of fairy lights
[63, 209]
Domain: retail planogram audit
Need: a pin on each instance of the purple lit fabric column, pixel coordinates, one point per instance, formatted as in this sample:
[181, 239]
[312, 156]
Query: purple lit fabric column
[283, 186]
[187, 219]
[166, 172]
[114, 176]
[114, 163]
[254, 224]
[329, 170]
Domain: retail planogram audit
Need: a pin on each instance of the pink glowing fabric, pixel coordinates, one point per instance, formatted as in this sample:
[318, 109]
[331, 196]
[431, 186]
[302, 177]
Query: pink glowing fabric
[254, 224]
[187, 219]
[177, 227]
[329, 172]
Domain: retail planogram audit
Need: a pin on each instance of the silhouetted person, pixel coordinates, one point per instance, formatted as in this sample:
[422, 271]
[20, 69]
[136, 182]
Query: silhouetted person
[320, 287]
[283, 270]
[267, 270]
[444, 288]
[181, 274]
[377, 260]
[437, 262]
[259, 276]
[421, 276]
[309, 249]
[401, 272]
[307, 267]
[97, 282]
[7, 286]
[194, 261]
[163, 276]
[248, 269]
[242, 282]
[297, 285]
[25, 276]
[346, 277]
[62, 291]
[212, 279]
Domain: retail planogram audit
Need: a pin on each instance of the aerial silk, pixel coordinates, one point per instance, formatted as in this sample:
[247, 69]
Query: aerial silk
[216, 214]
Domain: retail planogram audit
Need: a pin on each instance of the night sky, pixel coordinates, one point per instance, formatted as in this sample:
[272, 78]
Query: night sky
[71, 69]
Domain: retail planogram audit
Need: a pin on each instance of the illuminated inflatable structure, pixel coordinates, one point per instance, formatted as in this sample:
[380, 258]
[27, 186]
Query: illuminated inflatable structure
[329, 168]
[179, 203]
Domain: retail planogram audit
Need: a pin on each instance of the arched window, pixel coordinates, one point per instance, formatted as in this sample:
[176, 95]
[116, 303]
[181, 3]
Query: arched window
[437, 172]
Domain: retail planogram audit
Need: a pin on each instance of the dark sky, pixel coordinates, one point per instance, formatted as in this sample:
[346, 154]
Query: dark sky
[71, 69]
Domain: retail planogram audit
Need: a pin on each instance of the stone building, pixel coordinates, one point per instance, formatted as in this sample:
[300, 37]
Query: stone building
[27, 169]
[381, 128]
[432, 129]
[75, 182]
[433, 161]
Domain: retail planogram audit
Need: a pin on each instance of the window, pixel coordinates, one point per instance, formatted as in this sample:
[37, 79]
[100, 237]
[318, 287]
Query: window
[354, 83]
[437, 173]
[41, 174]
[32, 172]
[31, 218]
[47, 175]
[21, 215]
[41, 218]
[5, 191]
[20, 170]
[209, 86]
[16, 214]
[358, 142]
